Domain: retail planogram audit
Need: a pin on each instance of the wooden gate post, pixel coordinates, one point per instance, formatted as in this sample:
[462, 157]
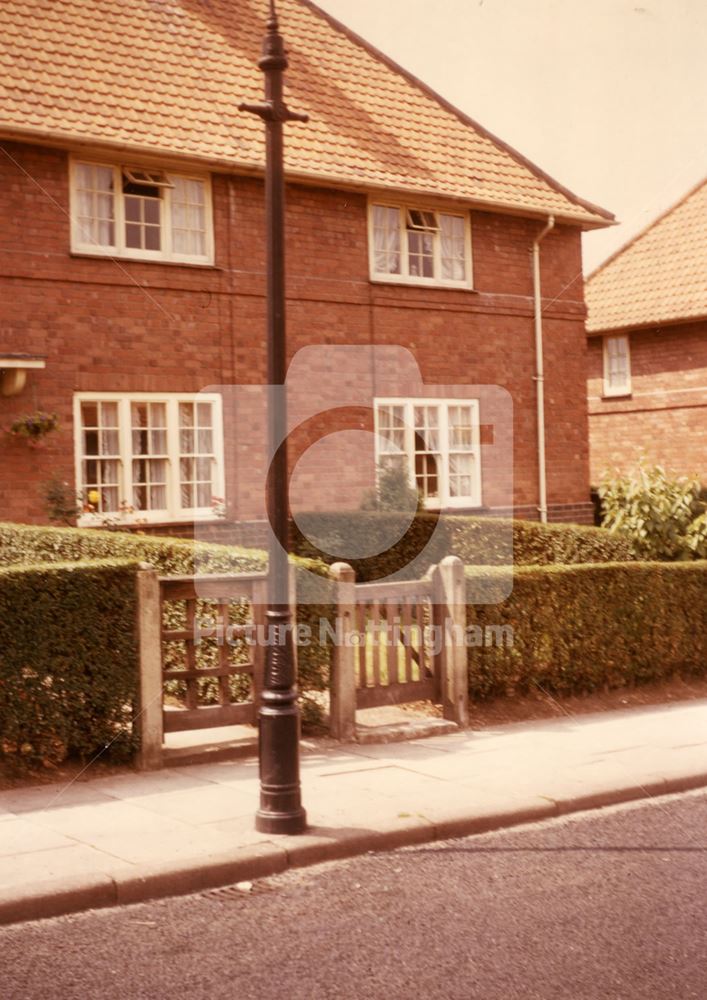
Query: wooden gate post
[342, 690]
[450, 597]
[149, 719]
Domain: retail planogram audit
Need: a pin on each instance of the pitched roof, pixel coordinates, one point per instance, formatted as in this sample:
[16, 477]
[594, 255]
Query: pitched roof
[660, 276]
[166, 77]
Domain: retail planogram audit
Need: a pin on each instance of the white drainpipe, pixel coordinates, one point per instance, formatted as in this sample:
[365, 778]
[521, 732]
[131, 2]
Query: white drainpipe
[540, 369]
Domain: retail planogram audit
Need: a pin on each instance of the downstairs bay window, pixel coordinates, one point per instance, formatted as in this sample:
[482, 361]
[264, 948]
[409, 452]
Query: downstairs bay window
[437, 443]
[148, 457]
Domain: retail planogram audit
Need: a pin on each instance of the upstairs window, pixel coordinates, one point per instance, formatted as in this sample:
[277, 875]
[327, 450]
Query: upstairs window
[437, 443]
[617, 366]
[419, 245]
[141, 213]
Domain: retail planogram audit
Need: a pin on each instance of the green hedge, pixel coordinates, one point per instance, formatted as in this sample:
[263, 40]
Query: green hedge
[476, 540]
[22, 543]
[68, 660]
[174, 557]
[578, 629]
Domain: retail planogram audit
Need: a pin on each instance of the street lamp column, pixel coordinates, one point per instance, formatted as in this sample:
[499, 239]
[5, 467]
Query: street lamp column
[280, 800]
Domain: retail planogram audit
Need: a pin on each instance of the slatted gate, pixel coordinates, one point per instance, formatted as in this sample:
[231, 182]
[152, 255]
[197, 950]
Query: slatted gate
[395, 656]
[212, 665]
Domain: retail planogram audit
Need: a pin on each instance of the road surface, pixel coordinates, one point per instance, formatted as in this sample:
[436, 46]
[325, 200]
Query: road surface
[611, 904]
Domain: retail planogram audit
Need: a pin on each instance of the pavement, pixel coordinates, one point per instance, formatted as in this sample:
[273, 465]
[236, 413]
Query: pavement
[134, 836]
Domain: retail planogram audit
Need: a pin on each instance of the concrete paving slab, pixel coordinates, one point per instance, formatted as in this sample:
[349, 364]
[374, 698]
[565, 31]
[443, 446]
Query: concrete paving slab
[115, 818]
[41, 797]
[199, 804]
[20, 836]
[25, 870]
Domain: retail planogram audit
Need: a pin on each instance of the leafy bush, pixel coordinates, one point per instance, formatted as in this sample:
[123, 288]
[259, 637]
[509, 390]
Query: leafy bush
[68, 668]
[659, 514]
[476, 540]
[582, 628]
[393, 491]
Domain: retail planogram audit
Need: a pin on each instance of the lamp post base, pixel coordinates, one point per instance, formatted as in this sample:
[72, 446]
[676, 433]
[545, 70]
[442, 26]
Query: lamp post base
[281, 808]
[281, 822]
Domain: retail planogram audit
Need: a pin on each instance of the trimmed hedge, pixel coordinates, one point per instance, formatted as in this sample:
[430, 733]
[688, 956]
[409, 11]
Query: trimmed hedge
[582, 628]
[21, 543]
[476, 540]
[68, 660]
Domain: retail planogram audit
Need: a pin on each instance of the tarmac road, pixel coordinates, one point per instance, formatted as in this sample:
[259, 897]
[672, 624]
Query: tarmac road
[608, 904]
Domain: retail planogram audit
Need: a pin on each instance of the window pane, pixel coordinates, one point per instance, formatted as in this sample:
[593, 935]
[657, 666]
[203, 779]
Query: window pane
[386, 239]
[142, 217]
[151, 211]
[188, 217]
[94, 204]
[89, 414]
[109, 414]
[420, 254]
[391, 428]
[460, 467]
[426, 447]
[100, 475]
[152, 238]
[460, 431]
[452, 247]
[132, 237]
[132, 210]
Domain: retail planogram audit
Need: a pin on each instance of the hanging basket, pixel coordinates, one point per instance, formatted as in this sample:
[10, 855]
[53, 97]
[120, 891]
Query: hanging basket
[34, 427]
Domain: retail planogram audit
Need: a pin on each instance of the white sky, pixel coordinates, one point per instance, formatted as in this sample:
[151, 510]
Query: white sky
[607, 96]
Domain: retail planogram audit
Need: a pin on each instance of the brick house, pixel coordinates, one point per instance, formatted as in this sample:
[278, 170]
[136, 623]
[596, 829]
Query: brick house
[133, 266]
[647, 328]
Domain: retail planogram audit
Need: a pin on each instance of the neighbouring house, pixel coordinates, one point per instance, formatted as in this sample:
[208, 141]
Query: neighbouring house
[133, 269]
[647, 328]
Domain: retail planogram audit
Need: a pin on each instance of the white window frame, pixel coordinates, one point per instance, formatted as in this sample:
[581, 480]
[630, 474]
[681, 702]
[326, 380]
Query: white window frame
[79, 245]
[444, 501]
[173, 511]
[405, 278]
[623, 389]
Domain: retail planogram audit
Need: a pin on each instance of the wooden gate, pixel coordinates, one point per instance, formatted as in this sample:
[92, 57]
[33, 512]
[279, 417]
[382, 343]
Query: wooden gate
[395, 658]
[212, 662]
[398, 642]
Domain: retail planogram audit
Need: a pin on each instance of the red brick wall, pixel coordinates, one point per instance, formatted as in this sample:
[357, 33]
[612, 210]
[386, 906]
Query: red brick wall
[665, 418]
[118, 326]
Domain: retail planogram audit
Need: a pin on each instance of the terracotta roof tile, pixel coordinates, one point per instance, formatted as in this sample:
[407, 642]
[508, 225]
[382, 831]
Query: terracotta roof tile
[660, 276]
[168, 75]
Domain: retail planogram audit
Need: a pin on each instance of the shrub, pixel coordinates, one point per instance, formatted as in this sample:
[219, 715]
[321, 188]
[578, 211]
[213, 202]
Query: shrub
[581, 628]
[22, 543]
[68, 669]
[393, 491]
[176, 557]
[656, 512]
[476, 540]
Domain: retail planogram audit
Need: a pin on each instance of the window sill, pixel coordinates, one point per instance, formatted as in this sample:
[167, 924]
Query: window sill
[86, 255]
[609, 396]
[133, 522]
[412, 283]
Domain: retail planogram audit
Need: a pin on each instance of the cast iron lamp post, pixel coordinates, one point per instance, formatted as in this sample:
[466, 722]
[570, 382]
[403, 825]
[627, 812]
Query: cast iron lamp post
[280, 803]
